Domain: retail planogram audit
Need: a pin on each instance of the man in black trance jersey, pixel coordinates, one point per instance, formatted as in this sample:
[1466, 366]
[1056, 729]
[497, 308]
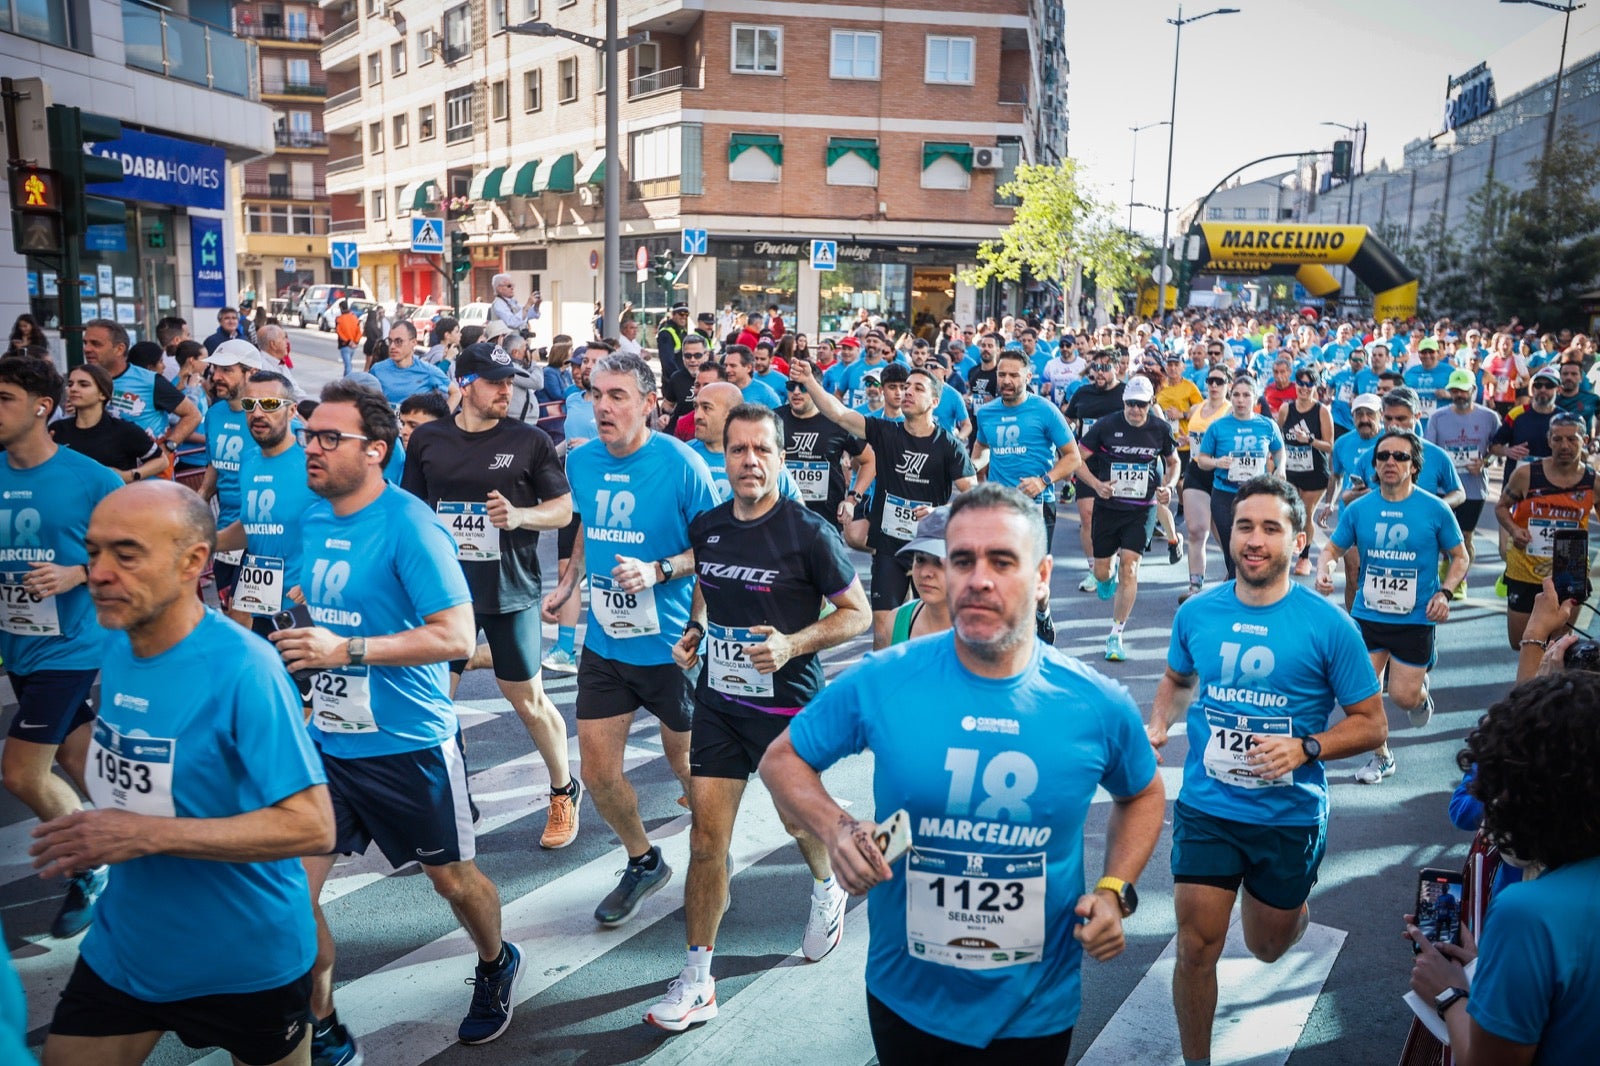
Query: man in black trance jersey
[812, 448]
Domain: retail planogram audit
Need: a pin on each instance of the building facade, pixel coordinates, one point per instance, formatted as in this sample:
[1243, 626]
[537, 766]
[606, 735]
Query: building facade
[767, 124]
[184, 87]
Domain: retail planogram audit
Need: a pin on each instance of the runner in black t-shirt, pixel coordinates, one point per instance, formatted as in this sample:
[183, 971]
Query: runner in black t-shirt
[812, 447]
[496, 482]
[91, 431]
[922, 467]
[1102, 396]
[983, 380]
[677, 392]
[764, 564]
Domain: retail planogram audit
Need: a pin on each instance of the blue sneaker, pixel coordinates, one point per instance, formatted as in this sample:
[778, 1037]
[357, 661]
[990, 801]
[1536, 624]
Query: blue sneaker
[1106, 589]
[493, 997]
[1115, 652]
[334, 1046]
[77, 910]
[638, 884]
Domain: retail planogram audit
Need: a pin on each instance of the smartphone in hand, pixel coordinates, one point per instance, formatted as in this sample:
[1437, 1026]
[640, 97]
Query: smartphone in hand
[296, 617]
[1438, 909]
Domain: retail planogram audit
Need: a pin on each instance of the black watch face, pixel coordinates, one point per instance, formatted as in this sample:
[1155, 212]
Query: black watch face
[1130, 898]
[1312, 748]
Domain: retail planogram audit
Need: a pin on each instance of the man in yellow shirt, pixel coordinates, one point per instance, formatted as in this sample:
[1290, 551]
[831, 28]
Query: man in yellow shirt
[1176, 397]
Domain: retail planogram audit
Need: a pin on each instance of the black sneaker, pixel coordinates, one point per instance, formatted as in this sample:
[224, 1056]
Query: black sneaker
[77, 910]
[1045, 626]
[334, 1046]
[637, 885]
[1174, 552]
[493, 998]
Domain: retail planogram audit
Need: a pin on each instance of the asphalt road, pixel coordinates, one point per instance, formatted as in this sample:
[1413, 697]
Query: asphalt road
[402, 959]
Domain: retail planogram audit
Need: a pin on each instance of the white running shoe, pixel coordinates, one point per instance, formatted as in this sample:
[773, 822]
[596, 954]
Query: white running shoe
[687, 1001]
[1421, 716]
[1088, 584]
[1376, 770]
[825, 927]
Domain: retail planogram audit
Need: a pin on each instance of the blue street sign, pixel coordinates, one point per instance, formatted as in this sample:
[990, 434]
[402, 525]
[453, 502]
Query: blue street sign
[427, 235]
[345, 255]
[695, 242]
[824, 255]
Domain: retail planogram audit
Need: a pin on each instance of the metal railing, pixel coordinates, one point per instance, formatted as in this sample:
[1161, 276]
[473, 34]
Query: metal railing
[280, 86]
[349, 162]
[309, 32]
[340, 33]
[661, 81]
[339, 99]
[300, 138]
[271, 190]
[175, 47]
[347, 225]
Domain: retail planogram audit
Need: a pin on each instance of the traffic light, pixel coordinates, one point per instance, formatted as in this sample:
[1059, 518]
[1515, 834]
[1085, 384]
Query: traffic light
[35, 210]
[665, 270]
[1342, 151]
[70, 129]
[460, 259]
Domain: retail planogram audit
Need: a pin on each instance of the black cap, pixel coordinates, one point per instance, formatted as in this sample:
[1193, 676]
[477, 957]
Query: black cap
[487, 361]
[680, 307]
[706, 317]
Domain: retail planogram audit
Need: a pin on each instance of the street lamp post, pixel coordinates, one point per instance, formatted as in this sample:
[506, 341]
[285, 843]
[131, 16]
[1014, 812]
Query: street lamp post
[608, 47]
[1358, 130]
[1561, 64]
[1172, 117]
[1133, 166]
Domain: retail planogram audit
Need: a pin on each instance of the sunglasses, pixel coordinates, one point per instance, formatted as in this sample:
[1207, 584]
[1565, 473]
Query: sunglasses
[1304, 383]
[1100, 368]
[1219, 382]
[269, 404]
[1391, 457]
[1140, 404]
[795, 386]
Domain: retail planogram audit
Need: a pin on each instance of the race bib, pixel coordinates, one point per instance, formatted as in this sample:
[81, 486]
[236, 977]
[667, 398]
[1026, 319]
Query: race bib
[1130, 481]
[1389, 589]
[1346, 392]
[730, 671]
[899, 519]
[476, 539]
[1427, 403]
[233, 558]
[1541, 533]
[1229, 744]
[623, 614]
[341, 701]
[975, 912]
[812, 480]
[22, 614]
[259, 589]
[1461, 457]
[1247, 465]
[1298, 461]
[130, 773]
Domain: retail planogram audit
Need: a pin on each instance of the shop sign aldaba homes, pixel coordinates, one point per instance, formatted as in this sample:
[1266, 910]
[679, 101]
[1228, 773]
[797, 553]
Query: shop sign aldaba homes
[165, 170]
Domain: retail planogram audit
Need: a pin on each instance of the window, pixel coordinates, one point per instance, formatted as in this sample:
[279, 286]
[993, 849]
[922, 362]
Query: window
[855, 55]
[374, 68]
[401, 208]
[300, 121]
[533, 91]
[499, 101]
[1241, 213]
[852, 161]
[949, 61]
[427, 40]
[299, 73]
[425, 123]
[399, 135]
[397, 59]
[374, 138]
[655, 158]
[497, 15]
[567, 70]
[458, 114]
[1213, 213]
[51, 21]
[757, 50]
[646, 59]
[946, 165]
[1010, 155]
[532, 8]
[457, 32]
[755, 157]
[1263, 214]
[599, 73]
[377, 205]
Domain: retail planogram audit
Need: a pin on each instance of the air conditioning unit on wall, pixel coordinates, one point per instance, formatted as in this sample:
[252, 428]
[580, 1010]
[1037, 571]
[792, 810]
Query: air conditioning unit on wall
[588, 195]
[987, 159]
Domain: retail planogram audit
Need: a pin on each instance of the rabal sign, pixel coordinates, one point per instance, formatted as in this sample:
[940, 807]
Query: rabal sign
[1469, 96]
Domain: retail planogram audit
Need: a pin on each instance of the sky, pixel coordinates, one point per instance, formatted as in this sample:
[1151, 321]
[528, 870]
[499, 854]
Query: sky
[1261, 81]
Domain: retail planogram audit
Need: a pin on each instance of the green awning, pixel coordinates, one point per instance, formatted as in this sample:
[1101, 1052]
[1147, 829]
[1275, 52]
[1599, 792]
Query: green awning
[961, 153]
[522, 184]
[593, 172]
[839, 147]
[419, 196]
[555, 175]
[486, 184]
[769, 143]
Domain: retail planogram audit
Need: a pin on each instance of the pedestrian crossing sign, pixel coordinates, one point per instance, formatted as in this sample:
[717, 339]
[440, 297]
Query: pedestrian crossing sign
[427, 236]
[824, 255]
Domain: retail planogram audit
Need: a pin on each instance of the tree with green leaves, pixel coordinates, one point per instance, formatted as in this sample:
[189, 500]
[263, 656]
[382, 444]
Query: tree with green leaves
[1548, 252]
[1059, 225]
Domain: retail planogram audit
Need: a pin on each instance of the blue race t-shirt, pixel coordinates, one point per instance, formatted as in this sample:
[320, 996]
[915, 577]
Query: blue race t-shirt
[774, 381]
[1263, 671]
[1400, 543]
[1023, 440]
[377, 572]
[45, 519]
[275, 496]
[399, 382]
[228, 441]
[1538, 976]
[998, 783]
[758, 392]
[950, 410]
[1345, 385]
[1427, 384]
[717, 463]
[1249, 442]
[579, 424]
[637, 506]
[166, 746]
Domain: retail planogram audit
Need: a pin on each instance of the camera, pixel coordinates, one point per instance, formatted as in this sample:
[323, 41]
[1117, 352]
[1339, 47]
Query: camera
[1583, 655]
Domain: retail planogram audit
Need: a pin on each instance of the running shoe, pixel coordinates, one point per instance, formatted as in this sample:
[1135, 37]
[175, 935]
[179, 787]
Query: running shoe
[560, 661]
[1421, 716]
[493, 997]
[1193, 589]
[1045, 627]
[638, 884]
[1115, 652]
[825, 926]
[1376, 770]
[334, 1046]
[1174, 552]
[561, 822]
[1106, 589]
[687, 1001]
[1500, 587]
[1088, 583]
[77, 910]
[1302, 567]
[1460, 591]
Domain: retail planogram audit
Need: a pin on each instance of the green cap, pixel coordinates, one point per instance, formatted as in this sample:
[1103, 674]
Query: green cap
[1429, 345]
[1461, 379]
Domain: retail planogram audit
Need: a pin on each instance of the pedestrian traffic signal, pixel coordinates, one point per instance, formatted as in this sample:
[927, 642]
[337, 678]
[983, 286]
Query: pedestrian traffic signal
[665, 270]
[460, 258]
[35, 210]
[1342, 151]
[70, 129]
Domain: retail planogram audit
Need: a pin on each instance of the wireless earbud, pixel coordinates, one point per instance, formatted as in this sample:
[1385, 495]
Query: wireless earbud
[373, 452]
[39, 412]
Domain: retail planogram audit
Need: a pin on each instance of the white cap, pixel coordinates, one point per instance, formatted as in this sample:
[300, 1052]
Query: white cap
[1367, 401]
[1138, 388]
[495, 329]
[236, 353]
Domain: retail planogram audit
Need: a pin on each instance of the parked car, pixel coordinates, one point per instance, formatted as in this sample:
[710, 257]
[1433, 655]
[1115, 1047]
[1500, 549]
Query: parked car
[330, 314]
[318, 298]
[422, 318]
[474, 314]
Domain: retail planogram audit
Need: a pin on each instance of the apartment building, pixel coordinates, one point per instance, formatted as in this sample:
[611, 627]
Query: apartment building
[887, 128]
[183, 85]
[282, 226]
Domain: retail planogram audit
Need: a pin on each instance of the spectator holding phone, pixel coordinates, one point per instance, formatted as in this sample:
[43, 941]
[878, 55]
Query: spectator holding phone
[1535, 997]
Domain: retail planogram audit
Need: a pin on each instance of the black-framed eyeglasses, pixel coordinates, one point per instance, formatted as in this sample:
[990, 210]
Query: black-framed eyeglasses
[1213, 351]
[1305, 383]
[399, 338]
[326, 439]
[1100, 368]
[1391, 457]
[269, 404]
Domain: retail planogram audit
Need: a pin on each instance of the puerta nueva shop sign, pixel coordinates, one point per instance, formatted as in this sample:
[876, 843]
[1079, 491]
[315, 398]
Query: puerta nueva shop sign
[1469, 96]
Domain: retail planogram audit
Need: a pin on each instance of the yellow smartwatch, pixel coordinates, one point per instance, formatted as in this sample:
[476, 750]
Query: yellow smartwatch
[1127, 896]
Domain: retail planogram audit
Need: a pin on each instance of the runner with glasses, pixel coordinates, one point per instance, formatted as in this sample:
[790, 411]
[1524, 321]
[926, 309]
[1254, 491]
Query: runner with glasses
[1307, 427]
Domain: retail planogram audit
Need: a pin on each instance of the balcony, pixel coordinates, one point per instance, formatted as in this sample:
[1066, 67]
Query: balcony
[347, 225]
[349, 96]
[660, 81]
[302, 33]
[1011, 92]
[273, 190]
[279, 86]
[300, 138]
[349, 162]
[179, 48]
[349, 29]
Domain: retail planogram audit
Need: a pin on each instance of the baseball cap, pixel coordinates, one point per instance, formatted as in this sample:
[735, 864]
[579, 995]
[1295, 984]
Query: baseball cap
[1138, 389]
[1429, 345]
[1544, 372]
[236, 353]
[929, 537]
[1461, 379]
[874, 379]
[495, 329]
[484, 360]
[680, 308]
[1367, 401]
[849, 342]
[1174, 357]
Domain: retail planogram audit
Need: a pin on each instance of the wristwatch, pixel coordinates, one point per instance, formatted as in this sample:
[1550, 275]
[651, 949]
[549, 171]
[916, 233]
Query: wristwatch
[137, 476]
[694, 625]
[170, 445]
[356, 649]
[1127, 895]
[1446, 999]
[1312, 747]
[666, 570]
